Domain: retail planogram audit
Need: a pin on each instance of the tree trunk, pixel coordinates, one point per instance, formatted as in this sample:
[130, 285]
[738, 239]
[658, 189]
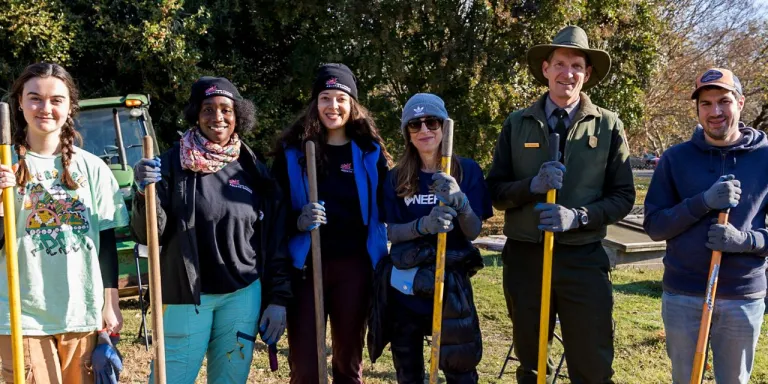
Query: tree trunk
[761, 121]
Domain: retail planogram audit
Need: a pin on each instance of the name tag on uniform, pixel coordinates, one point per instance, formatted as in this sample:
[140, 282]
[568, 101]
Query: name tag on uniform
[531, 145]
[593, 141]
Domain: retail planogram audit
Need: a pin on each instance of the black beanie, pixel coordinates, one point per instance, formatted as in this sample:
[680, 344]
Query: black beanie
[335, 76]
[208, 86]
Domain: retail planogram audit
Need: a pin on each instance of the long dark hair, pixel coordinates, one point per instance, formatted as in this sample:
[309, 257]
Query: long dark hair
[307, 127]
[68, 135]
[406, 172]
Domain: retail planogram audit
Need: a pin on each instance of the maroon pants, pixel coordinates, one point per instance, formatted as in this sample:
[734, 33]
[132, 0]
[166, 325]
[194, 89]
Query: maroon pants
[347, 285]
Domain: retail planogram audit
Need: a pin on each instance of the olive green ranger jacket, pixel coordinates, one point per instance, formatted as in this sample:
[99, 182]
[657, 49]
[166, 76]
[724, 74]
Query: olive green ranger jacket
[598, 175]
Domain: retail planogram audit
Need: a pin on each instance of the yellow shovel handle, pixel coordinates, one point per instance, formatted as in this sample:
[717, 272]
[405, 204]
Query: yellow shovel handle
[437, 309]
[11, 256]
[546, 292]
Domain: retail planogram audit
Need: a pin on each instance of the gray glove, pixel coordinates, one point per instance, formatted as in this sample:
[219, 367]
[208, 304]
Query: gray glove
[273, 323]
[726, 238]
[440, 220]
[312, 215]
[724, 193]
[556, 218]
[146, 171]
[550, 177]
[448, 192]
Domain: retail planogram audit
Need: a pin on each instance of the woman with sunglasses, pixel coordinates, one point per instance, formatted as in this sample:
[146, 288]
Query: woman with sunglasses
[352, 163]
[404, 285]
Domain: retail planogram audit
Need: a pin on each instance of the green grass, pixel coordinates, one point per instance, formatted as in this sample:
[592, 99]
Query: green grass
[640, 355]
[641, 189]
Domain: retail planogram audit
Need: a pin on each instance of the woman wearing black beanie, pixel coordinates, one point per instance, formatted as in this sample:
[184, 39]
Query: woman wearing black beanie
[352, 163]
[224, 262]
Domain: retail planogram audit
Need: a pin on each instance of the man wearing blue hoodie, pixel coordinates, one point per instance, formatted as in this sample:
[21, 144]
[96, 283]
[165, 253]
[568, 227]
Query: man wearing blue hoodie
[723, 162]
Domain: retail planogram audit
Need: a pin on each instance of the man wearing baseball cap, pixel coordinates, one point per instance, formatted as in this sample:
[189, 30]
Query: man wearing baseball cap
[724, 166]
[596, 189]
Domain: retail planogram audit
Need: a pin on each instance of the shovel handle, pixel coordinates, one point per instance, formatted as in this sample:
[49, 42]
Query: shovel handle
[699, 358]
[554, 146]
[546, 275]
[317, 267]
[155, 285]
[437, 308]
[11, 256]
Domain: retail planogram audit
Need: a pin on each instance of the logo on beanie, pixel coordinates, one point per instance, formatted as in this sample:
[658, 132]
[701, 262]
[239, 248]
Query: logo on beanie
[711, 75]
[333, 82]
[214, 90]
[419, 111]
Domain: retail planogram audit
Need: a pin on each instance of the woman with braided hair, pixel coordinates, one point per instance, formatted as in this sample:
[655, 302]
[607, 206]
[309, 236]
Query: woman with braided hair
[67, 205]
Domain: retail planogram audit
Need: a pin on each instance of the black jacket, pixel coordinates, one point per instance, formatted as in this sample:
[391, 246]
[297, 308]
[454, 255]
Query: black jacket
[179, 265]
[461, 345]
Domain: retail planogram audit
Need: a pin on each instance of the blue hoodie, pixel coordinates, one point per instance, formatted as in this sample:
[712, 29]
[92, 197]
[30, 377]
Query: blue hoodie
[675, 212]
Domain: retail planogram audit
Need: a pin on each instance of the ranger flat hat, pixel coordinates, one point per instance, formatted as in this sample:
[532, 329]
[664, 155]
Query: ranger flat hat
[575, 38]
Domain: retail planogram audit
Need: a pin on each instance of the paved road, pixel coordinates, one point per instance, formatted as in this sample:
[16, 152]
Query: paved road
[643, 173]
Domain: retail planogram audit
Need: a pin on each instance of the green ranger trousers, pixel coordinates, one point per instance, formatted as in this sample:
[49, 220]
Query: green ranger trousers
[581, 297]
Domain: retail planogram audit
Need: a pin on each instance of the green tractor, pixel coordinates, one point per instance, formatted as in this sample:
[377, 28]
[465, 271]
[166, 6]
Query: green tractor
[113, 129]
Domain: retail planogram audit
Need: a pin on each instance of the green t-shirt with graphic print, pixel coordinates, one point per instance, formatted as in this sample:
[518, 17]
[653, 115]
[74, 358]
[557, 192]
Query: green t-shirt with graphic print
[58, 245]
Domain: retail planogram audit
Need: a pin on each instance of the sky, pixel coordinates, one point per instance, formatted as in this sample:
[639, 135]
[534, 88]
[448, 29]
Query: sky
[763, 4]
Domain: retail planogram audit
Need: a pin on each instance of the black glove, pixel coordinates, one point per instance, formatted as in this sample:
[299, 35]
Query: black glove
[424, 282]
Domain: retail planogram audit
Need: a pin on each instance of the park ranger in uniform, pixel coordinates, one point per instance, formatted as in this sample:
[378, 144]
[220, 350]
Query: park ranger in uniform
[596, 189]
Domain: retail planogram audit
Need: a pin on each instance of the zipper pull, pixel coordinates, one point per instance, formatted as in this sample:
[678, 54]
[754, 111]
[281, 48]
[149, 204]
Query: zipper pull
[304, 272]
[724, 155]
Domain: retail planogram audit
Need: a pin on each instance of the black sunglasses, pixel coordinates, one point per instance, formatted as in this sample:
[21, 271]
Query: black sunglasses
[433, 124]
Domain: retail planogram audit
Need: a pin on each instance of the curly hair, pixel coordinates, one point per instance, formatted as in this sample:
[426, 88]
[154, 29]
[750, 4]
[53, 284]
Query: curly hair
[307, 127]
[245, 115]
[68, 135]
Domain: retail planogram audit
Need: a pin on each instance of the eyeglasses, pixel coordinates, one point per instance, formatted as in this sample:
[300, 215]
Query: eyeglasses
[433, 124]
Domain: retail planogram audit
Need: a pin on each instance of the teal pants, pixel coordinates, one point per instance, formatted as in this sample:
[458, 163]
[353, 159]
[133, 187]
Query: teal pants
[223, 329]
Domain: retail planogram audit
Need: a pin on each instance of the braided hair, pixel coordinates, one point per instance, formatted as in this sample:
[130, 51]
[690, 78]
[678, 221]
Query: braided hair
[68, 135]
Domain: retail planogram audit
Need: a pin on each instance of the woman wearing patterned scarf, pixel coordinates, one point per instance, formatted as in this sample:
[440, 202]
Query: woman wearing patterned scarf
[224, 260]
[352, 163]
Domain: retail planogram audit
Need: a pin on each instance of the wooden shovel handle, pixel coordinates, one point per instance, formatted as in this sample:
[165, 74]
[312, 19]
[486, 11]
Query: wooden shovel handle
[155, 285]
[317, 268]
